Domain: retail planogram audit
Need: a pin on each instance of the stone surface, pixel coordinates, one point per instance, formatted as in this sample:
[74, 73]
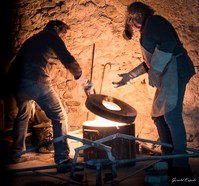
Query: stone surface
[101, 22]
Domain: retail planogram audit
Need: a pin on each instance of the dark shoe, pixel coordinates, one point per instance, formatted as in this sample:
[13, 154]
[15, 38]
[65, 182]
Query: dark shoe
[66, 166]
[21, 159]
[65, 161]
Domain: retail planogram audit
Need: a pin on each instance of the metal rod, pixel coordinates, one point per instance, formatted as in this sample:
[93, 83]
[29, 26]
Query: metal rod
[91, 73]
[93, 55]
[55, 140]
[166, 157]
[98, 175]
[125, 136]
[110, 159]
[137, 171]
[103, 75]
[97, 143]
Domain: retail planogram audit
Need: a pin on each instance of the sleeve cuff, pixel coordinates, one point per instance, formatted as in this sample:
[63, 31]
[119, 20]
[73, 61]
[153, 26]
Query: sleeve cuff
[160, 60]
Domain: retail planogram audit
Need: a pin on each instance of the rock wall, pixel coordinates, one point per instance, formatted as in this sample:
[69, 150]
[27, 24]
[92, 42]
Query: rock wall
[101, 23]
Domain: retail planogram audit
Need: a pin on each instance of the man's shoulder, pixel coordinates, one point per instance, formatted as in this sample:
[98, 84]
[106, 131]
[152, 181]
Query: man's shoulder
[157, 18]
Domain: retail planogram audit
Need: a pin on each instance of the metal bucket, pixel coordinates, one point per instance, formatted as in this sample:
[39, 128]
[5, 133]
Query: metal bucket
[43, 133]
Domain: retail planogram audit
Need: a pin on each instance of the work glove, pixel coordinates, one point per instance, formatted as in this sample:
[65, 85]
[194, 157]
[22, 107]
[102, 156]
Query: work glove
[136, 72]
[125, 78]
[86, 85]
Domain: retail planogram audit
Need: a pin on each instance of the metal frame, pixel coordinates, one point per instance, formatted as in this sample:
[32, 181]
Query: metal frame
[99, 164]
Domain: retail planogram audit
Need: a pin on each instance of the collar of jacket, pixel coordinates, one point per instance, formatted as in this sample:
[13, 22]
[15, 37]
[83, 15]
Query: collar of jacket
[144, 23]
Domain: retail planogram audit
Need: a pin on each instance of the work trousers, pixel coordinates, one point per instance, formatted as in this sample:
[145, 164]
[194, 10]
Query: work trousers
[45, 96]
[171, 129]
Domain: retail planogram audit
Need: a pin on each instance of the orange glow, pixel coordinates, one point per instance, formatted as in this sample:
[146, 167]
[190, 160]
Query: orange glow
[101, 122]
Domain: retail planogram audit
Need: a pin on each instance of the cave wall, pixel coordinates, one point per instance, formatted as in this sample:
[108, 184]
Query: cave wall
[101, 23]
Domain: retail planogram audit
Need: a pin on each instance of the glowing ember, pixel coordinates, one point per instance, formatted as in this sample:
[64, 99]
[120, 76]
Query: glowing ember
[101, 122]
[110, 105]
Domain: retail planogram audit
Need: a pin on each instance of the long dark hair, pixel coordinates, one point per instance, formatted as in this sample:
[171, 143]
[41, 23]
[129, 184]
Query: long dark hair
[139, 7]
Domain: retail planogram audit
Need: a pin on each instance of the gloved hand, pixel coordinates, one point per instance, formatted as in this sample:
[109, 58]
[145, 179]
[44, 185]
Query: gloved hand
[89, 88]
[125, 78]
[137, 71]
[86, 85]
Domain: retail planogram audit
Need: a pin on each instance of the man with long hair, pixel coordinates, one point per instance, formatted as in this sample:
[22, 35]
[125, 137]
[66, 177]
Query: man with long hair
[169, 69]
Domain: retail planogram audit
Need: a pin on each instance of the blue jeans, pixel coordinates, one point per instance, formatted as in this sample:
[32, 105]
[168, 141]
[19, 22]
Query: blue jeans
[171, 129]
[45, 96]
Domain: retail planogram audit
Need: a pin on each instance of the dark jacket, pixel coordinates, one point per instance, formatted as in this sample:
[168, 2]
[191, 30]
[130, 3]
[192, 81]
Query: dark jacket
[33, 57]
[167, 60]
[156, 30]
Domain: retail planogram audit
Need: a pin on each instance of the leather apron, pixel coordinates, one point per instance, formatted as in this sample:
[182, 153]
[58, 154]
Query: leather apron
[166, 95]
